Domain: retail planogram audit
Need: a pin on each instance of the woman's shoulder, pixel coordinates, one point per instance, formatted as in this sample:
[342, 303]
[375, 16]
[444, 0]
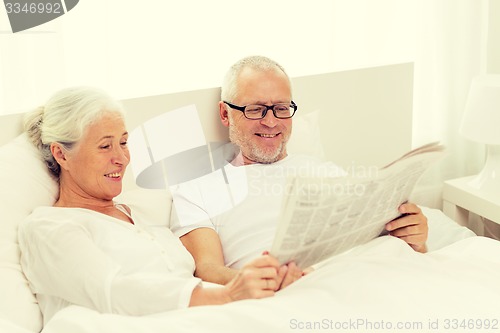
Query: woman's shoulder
[47, 219]
[51, 213]
[40, 213]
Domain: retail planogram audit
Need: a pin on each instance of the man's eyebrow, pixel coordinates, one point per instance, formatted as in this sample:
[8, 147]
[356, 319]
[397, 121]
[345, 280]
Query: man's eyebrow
[264, 103]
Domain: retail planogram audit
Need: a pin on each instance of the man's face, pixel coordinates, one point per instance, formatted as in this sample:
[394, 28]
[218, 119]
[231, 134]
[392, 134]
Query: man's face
[262, 140]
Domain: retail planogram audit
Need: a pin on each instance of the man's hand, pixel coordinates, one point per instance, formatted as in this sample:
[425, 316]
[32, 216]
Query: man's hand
[410, 227]
[289, 274]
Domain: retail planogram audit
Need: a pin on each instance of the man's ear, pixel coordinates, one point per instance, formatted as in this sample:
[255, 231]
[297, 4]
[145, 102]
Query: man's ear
[224, 117]
[59, 154]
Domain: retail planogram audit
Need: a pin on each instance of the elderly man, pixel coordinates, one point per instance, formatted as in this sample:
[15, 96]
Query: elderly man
[229, 217]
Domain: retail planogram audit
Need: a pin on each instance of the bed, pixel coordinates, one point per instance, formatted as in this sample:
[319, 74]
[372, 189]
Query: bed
[383, 285]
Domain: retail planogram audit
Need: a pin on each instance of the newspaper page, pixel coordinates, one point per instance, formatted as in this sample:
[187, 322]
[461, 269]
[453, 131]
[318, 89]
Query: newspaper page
[322, 217]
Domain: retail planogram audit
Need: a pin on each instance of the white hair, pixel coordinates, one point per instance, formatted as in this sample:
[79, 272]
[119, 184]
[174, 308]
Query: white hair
[229, 89]
[65, 117]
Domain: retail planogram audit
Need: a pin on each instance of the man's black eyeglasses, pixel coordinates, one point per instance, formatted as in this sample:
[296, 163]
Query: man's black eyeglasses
[257, 111]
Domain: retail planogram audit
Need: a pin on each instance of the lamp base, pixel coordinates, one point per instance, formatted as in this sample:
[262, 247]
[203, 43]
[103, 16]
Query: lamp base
[488, 180]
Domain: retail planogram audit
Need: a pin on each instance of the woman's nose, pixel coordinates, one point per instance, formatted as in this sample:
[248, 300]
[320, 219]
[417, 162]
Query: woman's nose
[121, 156]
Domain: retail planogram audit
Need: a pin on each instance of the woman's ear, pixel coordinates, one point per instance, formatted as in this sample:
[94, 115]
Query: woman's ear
[59, 154]
[224, 118]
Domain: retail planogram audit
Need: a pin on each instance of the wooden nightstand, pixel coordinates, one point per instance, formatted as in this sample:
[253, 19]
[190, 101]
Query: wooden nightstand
[459, 199]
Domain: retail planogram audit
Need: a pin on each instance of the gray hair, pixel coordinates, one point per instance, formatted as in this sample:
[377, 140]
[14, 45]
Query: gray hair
[229, 89]
[64, 119]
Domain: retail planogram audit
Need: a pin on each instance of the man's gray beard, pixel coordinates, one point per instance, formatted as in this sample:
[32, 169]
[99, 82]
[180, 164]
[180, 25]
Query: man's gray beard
[254, 152]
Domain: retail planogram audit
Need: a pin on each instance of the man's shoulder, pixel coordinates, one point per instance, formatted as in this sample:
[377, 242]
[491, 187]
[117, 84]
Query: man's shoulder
[208, 179]
[308, 165]
[303, 159]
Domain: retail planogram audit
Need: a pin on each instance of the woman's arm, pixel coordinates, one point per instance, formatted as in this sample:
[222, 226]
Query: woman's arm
[258, 279]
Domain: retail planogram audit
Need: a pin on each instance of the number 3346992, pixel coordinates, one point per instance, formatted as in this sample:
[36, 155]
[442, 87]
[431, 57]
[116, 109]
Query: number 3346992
[33, 8]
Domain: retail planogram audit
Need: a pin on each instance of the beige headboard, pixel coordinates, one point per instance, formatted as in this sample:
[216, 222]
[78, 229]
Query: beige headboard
[366, 114]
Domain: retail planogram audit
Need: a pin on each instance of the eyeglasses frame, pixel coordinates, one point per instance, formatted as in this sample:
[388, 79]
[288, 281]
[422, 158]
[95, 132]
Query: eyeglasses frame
[264, 112]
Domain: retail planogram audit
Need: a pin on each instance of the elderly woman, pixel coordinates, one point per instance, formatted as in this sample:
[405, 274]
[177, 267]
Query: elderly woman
[92, 251]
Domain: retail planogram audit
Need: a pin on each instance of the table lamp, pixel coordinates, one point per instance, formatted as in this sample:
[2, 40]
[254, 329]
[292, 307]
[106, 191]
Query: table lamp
[481, 123]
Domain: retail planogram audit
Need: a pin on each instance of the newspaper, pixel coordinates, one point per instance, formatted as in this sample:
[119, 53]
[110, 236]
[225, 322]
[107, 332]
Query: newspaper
[322, 217]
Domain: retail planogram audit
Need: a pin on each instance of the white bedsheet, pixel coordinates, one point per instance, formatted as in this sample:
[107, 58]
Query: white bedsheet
[375, 287]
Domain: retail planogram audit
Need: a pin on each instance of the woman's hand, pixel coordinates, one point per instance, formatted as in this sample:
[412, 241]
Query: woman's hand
[257, 279]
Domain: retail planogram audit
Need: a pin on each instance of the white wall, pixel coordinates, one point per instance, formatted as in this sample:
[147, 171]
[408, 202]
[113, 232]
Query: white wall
[494, 37]
[139, 48]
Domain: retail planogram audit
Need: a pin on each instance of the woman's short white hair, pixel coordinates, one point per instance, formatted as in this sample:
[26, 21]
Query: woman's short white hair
[65, 117]
[229, 89]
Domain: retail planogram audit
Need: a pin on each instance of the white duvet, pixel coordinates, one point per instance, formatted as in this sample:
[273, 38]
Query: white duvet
[381, 286]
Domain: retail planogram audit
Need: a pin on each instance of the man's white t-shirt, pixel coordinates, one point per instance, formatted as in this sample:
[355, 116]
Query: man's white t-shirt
[241, 203]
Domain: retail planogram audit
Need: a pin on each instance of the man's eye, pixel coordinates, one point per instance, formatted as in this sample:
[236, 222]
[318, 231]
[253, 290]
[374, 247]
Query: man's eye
[253, 109]
[104, 147]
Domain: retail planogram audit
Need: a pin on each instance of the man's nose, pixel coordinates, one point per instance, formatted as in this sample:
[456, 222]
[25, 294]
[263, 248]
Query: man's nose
[269, 119]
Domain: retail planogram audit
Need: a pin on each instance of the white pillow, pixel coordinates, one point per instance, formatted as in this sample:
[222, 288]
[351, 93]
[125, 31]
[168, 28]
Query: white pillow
[306, 136]
[25, 184]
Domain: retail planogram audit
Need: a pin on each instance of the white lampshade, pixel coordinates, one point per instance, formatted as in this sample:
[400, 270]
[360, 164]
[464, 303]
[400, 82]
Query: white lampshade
[481, 120]
[481, 123]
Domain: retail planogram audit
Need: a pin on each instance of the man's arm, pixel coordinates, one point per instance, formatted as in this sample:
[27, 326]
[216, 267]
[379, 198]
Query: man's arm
[411, 227]
[205, 247]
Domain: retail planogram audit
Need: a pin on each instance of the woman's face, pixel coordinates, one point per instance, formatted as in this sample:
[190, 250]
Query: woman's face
[96, 165]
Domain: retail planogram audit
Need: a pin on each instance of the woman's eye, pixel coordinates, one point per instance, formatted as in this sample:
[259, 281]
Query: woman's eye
[123, 143]
[104, 147]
